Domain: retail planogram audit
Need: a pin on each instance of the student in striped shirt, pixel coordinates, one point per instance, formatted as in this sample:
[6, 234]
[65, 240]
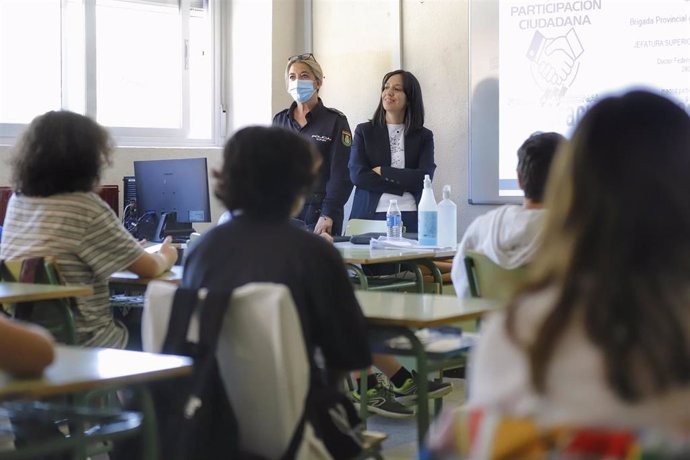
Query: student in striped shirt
[54, 211]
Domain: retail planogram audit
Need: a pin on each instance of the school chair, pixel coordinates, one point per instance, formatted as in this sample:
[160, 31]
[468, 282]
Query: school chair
[55, 315]
[261, 335]
[488, 279]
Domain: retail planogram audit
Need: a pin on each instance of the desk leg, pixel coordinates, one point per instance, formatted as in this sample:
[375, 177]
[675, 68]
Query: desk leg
[363, 282]
[422, 385]
[363, 396]
[435, 272]
[419, 276]
[149, 432]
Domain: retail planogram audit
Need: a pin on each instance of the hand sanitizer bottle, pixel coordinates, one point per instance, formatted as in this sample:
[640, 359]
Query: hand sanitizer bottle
[447, 221]
[427, 215]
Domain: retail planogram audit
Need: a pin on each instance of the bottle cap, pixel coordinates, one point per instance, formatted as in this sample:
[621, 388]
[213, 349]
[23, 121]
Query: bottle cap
[446, 191]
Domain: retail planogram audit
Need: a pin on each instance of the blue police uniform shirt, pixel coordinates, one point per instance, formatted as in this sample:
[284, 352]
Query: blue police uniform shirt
[329, 131]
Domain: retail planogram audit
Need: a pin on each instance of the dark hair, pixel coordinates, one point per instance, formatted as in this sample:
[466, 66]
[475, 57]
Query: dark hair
[534, 161]
[265, 170]
[60, 152]
[414, 112]
[617, 245]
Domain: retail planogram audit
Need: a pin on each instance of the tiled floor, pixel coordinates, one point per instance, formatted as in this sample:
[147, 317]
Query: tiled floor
[402, 434]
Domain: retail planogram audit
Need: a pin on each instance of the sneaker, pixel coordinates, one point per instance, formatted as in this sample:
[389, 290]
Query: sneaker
[380, 400]
[407, 392]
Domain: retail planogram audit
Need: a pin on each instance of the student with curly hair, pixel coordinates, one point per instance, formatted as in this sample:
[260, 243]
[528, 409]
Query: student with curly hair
[54, 211]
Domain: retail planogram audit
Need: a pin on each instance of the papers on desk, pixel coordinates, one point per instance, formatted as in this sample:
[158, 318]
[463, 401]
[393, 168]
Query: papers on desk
[437, 341]
[153, 248]
[383, 242]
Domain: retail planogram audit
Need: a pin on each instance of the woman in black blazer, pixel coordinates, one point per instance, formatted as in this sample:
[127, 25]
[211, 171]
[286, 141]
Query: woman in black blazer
[390, 156]
[392, 152]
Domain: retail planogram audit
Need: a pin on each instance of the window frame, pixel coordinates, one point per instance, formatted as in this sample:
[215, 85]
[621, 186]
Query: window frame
[137, 136]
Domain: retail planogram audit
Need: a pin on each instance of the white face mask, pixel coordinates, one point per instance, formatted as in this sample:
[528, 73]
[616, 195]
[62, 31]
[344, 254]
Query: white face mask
[301, 90]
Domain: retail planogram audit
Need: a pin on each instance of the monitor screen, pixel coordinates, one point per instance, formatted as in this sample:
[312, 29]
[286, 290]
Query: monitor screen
[179, 186]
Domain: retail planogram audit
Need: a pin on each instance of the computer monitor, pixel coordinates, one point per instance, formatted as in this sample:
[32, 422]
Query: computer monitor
[175, 193]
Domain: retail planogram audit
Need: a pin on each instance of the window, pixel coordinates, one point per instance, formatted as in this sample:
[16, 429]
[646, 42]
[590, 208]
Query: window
[146, 69]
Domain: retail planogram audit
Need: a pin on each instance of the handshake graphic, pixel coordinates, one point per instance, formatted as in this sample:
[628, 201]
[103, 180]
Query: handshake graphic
[555, 59]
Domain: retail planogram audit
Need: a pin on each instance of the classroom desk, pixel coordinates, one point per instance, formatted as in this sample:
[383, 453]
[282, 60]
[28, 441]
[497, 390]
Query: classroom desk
[361, 254]
[174, 275]
[78, 369]
[11, 292]
[396, 313]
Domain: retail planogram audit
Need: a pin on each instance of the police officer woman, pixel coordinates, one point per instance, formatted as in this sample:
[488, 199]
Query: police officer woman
[329, 130]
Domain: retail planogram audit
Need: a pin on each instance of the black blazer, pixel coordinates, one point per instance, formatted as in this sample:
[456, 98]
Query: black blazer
[371, 148]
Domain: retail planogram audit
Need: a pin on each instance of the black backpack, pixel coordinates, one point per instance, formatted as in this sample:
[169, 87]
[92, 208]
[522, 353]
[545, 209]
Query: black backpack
[195, 417]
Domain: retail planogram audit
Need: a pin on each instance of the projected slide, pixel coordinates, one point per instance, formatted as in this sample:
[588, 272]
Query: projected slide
[557, 57]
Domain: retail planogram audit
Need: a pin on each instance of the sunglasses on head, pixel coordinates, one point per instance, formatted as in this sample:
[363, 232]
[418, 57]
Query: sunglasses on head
[302, 57]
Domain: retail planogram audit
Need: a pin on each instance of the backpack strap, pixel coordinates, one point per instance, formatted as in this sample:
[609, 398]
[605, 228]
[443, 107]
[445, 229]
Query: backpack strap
[211, 320]
[184, 303]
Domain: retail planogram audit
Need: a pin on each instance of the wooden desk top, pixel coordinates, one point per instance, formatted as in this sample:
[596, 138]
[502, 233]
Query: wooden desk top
[80, 369]
[362, 254]
[421, 310]
[25, 292]
[174, 275]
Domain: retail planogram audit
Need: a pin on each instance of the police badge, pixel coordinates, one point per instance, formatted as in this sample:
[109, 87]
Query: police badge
[347, 138]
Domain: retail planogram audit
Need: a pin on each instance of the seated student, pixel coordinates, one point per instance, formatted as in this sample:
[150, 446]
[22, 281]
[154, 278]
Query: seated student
[55, 212]
[266, 175]
[25, 349]
[601, 335]
[510, 234]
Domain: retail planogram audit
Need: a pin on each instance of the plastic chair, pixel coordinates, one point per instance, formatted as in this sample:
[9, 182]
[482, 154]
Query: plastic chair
[488, 279]
[55, 315]
[261, 335]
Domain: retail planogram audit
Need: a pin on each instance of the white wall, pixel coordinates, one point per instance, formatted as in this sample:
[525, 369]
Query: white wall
[361, 40]
[357, 42]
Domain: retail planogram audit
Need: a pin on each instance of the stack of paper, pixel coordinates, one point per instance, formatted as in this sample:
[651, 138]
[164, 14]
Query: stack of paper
[383, 242]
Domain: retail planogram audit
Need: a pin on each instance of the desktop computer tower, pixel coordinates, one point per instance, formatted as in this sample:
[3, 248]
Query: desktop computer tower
[130, 214]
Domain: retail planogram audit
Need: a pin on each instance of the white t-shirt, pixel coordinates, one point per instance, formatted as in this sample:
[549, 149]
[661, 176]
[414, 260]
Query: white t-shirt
[577, 391]
[89, 243]
[406, 202]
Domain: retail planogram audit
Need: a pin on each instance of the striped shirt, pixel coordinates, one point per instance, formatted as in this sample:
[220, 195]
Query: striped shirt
[88, 242]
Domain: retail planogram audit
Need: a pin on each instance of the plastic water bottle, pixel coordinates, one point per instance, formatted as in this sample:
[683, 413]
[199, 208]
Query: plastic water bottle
[447, 221]
[427, 215]
[393, 220]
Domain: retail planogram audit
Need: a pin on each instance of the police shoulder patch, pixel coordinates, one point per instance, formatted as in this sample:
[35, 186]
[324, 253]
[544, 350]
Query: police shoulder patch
[346, 138]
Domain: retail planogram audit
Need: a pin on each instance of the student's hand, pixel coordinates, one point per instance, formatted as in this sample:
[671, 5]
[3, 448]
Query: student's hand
[323, 225]
[142, 242]
[168, 251]
[377, 170]
[327, 237]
